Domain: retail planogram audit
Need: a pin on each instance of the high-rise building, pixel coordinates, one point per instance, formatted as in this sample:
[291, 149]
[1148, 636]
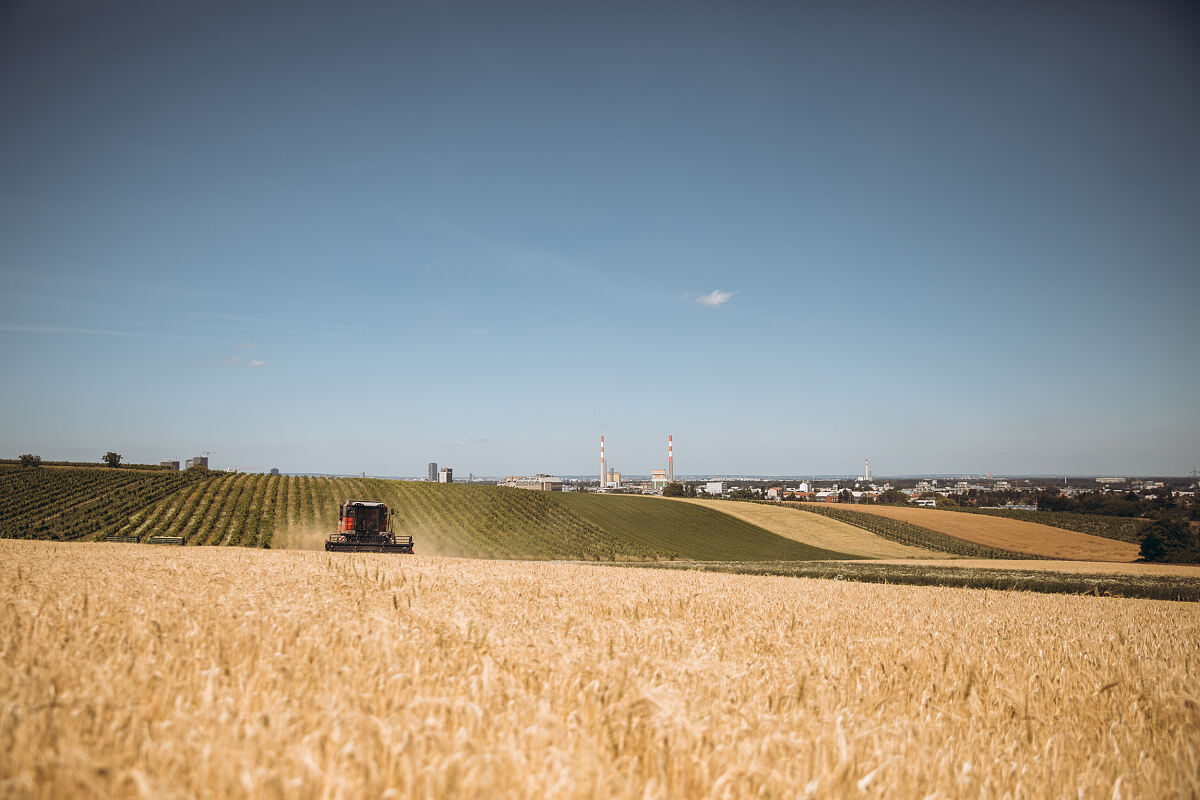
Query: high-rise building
[198, 461]
[445, 475]
[433, 472]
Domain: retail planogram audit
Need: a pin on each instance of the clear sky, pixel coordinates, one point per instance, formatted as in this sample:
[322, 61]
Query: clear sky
[361, 236]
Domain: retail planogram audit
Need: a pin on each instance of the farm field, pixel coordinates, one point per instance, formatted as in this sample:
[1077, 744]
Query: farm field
[67, 503]
[130, 670]
[1125, 529]
[1010, 534]
[695, 532]
[298, 512]
[1049, 577]
[814, 530]
[1093, 567]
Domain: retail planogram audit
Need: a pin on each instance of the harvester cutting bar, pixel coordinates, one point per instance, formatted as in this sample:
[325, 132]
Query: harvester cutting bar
[338, 543]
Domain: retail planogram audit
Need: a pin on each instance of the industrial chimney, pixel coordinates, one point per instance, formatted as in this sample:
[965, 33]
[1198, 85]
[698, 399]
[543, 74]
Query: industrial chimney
[603, 465]
[670, 459]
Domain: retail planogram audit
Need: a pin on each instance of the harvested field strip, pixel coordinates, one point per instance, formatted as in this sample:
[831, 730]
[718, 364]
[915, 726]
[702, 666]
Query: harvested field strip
[687, 530]
[1042, 541]
[815, 530]
[905, 532]
[217, 673]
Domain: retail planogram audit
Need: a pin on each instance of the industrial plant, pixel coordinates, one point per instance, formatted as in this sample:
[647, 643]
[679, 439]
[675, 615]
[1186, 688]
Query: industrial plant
[610, 478]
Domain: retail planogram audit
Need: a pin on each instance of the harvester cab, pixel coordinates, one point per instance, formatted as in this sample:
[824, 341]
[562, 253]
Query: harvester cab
[366, 527]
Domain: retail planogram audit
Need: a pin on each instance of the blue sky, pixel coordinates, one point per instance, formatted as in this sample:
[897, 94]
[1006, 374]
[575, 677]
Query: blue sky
[363, 236]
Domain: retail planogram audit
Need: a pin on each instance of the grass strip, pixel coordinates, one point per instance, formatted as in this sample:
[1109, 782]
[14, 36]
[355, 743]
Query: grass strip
[1148, 587]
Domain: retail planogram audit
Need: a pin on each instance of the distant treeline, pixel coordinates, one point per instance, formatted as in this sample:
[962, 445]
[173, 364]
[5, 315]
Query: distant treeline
[1112, 504]
[97, 463]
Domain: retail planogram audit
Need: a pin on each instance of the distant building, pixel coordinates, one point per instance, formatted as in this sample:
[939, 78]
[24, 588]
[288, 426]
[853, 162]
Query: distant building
[658, 479]
[198, 461]
[540, 482]
[614, 479]
[714, 487]
[445, 475]
[433, 472]
[274, 470]
[169, 464]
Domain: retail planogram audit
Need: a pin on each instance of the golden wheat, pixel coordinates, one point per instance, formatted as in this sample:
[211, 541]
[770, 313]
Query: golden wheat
[130, 670]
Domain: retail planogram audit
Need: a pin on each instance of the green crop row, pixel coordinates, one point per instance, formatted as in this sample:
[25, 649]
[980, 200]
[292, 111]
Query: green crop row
[65, 503]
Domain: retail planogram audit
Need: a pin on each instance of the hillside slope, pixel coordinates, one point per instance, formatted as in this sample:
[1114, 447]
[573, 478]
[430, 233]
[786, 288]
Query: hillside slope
[298, 512]
[65, 503]
[695, 532]
[1011, 534]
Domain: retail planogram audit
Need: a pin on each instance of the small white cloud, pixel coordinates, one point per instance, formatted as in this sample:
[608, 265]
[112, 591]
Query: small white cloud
[245, 346]
[257, 363]
[715, 298]
[234, 360]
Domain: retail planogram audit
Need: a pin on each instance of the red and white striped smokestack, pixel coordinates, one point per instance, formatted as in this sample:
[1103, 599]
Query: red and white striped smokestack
[603, 465]
[670, 458]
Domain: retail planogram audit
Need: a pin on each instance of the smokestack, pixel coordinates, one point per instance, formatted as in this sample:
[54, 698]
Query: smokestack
[867, 469]
[603, 465]
[670, 459]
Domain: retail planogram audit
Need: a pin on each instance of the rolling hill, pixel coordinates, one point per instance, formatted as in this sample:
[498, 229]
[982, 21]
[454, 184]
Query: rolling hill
[695, 532]
[298, 512]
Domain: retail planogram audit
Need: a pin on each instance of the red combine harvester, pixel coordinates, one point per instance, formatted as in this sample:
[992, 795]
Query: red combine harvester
[365, 527]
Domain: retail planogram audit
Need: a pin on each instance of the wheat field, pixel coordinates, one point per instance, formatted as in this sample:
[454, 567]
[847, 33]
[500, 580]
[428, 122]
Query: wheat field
[1011, 534]
[135, 671]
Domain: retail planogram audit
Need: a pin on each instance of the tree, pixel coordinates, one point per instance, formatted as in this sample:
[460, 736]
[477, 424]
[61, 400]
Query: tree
[30, 460]
[893, 497]
[1170, 537]
[845, 496]
[1152, 548]
[112, 459]
[674, 490]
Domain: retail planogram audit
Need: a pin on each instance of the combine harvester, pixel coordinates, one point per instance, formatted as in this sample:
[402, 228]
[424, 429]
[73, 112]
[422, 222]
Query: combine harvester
[366, 527]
